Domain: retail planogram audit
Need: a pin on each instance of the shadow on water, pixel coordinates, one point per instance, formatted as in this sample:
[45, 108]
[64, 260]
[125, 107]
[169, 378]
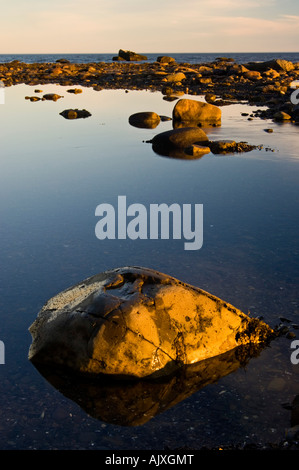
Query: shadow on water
[126, 402]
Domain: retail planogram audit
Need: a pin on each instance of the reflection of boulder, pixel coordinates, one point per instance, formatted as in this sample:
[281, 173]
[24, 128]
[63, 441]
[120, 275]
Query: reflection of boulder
[137, 322]
[133, 403]
[145, 120]
[75, 113]
[196, 111]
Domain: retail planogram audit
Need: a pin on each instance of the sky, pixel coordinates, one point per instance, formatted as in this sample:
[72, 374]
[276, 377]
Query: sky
[105, 26]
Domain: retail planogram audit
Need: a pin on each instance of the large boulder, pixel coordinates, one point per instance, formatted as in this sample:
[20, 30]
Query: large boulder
[137, 322]
[279, 65]
[187, 110]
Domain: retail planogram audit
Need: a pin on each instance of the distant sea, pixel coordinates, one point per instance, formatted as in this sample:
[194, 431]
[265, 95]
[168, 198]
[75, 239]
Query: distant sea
[190, 58]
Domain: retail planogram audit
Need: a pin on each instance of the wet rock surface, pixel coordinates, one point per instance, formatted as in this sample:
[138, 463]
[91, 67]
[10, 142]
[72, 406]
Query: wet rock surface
[138, 323]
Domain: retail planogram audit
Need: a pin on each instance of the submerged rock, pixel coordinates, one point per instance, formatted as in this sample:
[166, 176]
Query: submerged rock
[137, 322]
[187, 110]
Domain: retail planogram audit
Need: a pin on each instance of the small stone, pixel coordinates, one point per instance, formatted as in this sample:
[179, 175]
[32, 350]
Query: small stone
[52, 97]
[198, 150]
[282, 116]
[146, 120]
[75, 90]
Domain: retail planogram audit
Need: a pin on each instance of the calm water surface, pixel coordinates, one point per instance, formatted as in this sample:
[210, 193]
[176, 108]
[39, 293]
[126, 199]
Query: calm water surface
[54, 172]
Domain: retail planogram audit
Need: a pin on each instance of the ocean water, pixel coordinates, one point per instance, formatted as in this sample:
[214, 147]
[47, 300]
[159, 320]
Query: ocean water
[191, 58]
[54, 173]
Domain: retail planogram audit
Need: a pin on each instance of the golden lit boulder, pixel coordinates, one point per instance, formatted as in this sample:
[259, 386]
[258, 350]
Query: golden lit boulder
[137, 322]
[187, 110]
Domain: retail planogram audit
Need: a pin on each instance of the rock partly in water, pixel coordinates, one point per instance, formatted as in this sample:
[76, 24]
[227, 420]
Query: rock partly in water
[282, 116]
[275, 64]
[197, 151]
[168, 142]
[165, 59]
[145, 120]
[52, 96]
[75, 113]
[76, 91]
[131, 56]
[137, 323]
[187, 110]
[230, 146]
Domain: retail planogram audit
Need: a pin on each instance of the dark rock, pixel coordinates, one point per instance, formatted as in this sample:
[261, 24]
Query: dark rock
[63, 61]
[276, 64]
[131, 56]
[230, 146]
[146, 120]
[165, 60]
[52, 97]
[75, 113]
[178, 139]
[75, 90]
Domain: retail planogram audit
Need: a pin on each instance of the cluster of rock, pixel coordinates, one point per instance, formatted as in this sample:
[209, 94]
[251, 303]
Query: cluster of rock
[223, 81]
[187, 139]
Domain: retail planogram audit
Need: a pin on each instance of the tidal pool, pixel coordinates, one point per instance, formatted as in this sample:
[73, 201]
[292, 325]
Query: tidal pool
[54, 173]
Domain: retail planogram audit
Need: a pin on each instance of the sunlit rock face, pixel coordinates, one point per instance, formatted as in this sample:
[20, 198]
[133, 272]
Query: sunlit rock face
[187, 110]
[137, 322]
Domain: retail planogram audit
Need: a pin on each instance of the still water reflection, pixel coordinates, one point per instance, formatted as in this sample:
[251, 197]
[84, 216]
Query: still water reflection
[54, 173]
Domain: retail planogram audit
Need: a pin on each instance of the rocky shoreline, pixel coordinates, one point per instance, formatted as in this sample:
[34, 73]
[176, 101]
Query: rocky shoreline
[222, 82]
